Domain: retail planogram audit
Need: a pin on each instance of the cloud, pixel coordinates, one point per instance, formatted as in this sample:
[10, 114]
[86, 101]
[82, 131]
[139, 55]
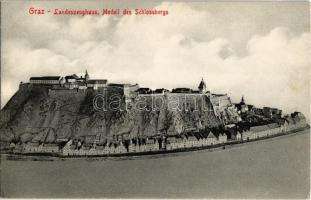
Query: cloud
[172, 51]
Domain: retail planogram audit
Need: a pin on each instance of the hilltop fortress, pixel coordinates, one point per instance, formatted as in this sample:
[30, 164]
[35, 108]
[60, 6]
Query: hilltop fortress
[50, 111]
[221, 104]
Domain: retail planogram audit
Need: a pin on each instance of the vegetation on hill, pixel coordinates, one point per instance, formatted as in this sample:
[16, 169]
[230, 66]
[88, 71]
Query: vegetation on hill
[37, 113]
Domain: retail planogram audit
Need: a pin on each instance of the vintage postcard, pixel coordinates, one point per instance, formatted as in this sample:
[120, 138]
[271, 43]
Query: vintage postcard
[155, 99]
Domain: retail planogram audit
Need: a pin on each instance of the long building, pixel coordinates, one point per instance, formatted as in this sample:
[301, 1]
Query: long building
[46, 80]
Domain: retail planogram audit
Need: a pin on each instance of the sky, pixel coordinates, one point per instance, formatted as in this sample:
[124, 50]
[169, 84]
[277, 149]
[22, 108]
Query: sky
[256, 49]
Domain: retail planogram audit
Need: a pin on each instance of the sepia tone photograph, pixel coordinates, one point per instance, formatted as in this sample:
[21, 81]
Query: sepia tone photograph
[155, 99]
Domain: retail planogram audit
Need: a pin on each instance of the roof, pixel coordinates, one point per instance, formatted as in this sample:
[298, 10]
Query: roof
[257, 110]
[97, 81]
[221, 134]
[74, 76]
[81, 84]
[242, 101]
[123, 85]
[211, 135]
[161, 90]
[143, 90]
[290, 120]
[219, 95]
[181, 90]
[192, 138]
[238, 106]
[297, 116]
[116, 84]
[202, 84]
[45, 78]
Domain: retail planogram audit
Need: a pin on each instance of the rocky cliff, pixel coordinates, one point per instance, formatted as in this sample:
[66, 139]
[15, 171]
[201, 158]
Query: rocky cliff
[38, 113]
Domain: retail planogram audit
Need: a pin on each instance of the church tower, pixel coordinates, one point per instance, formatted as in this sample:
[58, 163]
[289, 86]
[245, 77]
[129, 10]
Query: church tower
[86, 76]
[242, 100]
[202, 86]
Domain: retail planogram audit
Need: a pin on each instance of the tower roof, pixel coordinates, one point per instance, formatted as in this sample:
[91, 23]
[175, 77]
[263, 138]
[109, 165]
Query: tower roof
[242, 101]
[202, 84]
[86, 76]
[211, 135]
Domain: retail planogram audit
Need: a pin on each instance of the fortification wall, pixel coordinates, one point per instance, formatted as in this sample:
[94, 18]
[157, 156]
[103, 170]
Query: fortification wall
[175, 101]
[221, 101]
[189, 102]
[66, 93]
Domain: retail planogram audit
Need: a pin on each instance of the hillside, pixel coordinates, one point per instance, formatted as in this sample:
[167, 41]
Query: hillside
[37, 113]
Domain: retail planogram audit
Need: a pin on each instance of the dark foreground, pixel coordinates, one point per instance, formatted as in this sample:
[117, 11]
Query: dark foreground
[274, 168]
